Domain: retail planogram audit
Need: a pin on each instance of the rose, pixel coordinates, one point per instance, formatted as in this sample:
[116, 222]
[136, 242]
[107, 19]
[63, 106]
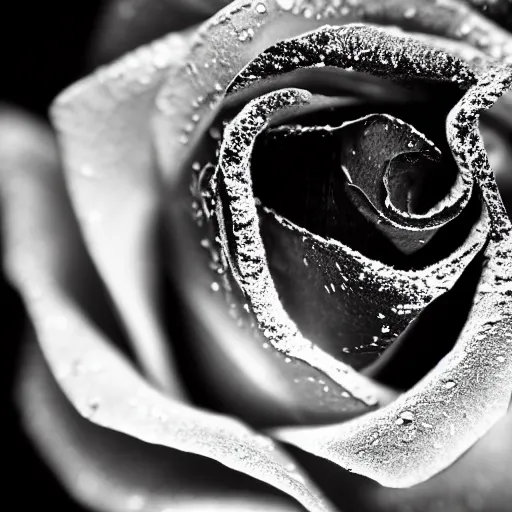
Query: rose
[94, 405]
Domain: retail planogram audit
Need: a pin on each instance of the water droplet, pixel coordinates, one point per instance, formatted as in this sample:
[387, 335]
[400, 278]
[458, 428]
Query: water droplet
[215, 287]
[449, 384]
[410, 13]
[406, 417]
[308, 13]
[243, 36]
[464, 29]
[93, 217]
[87, 171]
[261, 8]
[126, 10]
[215, 133]
[286, 5]
[136, 502]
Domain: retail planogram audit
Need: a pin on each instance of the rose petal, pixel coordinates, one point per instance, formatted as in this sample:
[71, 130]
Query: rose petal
[477, 482]
[356, 166]
[126, 24]
[498, 10]
[109, 471]
[103, 125]
[96, 377]
[242, 244]
[430, 426]
[111, 106]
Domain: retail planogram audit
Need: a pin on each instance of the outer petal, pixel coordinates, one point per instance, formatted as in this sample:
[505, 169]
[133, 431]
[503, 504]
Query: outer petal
[43, 259]
[126, 24]
[477, 482]
[109, 471]
[104, 132]
[435, 422]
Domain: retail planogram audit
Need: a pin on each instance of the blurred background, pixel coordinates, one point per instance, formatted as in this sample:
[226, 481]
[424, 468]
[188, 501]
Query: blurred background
[43, 51]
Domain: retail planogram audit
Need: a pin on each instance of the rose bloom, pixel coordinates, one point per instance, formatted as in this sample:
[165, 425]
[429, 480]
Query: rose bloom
[266, 261]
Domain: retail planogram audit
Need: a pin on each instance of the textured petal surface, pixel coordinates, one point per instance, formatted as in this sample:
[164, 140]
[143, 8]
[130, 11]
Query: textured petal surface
[427, 428]
[43, 260]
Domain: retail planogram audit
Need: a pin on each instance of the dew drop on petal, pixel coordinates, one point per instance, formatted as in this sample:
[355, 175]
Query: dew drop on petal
[410, 13]
[286, 5]
[261, 8]
[136, 502]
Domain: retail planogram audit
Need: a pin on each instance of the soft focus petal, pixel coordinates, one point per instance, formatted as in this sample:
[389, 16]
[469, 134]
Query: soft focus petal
[103, 124]
[42, 262]
[126, 24]
[109, 471]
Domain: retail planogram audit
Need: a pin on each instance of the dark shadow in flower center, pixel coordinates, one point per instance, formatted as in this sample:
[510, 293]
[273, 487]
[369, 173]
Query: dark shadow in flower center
[333, 179]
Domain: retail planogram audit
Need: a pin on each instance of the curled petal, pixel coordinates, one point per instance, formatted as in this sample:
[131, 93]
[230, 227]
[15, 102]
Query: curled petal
[431, 425]
[227, 42]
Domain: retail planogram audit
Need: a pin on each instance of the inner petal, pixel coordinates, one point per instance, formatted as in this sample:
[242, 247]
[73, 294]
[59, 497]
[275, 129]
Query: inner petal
[347, 183]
